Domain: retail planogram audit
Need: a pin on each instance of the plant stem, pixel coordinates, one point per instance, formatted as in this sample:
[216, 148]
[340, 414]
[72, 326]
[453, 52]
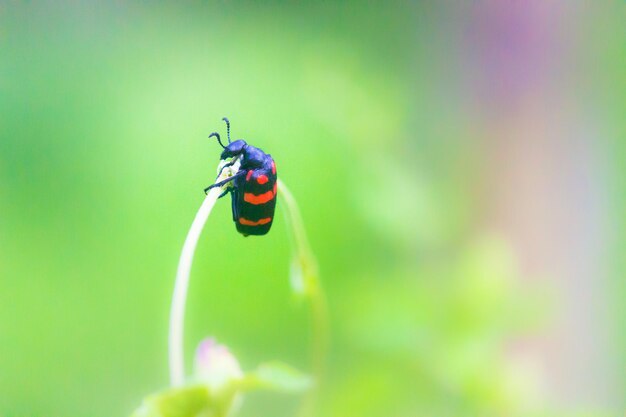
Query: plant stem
[312, 289]
[179, 298]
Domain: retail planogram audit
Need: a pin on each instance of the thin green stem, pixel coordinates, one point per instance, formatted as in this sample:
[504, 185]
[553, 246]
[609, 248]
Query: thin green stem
[306, 282]
[179, 298]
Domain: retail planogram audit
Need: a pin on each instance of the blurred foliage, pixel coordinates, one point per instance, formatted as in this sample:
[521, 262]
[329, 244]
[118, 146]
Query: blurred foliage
[203, 400]
[104, 114]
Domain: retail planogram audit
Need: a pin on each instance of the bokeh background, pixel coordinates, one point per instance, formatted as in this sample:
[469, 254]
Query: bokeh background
[459, 166]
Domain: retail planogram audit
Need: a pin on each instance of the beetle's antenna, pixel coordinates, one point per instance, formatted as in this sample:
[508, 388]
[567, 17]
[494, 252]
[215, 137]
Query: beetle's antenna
[217, 135]
[227, 127]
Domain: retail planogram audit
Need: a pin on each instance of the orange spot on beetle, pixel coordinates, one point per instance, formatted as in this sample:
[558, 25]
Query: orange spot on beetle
[262, 179]
[259, 222]
[248, 175]
[275, 189]
[258, 199]
[273, 168]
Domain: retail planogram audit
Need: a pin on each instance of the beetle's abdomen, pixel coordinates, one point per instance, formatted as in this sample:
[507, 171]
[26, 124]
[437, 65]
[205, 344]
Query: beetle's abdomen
[256, 200]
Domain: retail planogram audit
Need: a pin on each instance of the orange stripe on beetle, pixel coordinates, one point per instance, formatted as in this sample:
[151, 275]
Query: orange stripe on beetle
[259, 222]
[273, 167]
[249, 175]
[258, 199]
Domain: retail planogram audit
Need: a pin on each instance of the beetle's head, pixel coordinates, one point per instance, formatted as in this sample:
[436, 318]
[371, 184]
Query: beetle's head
[234, 149]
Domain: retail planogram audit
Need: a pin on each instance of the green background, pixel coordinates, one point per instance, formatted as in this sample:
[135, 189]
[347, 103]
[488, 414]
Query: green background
[377, 119]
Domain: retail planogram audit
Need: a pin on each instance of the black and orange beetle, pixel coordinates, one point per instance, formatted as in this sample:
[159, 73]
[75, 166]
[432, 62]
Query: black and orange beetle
[253, 187]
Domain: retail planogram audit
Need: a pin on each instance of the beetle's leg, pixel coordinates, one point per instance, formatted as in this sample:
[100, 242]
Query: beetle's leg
[234, 205]
[230, 164]
[225, 192]
[226, 181]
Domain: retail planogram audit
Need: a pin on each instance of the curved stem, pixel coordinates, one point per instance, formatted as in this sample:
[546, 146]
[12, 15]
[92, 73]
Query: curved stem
[179, 298]
[308, 284]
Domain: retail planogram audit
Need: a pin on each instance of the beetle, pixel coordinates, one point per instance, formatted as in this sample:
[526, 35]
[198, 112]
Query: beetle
[253, 186]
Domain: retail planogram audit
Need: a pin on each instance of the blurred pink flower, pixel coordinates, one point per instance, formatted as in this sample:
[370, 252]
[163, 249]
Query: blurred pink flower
[215, 365]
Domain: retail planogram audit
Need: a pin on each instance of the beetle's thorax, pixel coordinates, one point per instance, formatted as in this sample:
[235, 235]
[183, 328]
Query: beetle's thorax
[253, 157]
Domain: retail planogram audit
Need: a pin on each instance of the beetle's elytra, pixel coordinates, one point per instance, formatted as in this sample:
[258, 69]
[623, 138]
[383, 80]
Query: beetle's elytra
[253, 186]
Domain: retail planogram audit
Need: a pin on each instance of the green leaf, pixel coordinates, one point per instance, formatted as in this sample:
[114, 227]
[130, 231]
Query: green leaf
[277, 376]
[187, 401]
[198, 400]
